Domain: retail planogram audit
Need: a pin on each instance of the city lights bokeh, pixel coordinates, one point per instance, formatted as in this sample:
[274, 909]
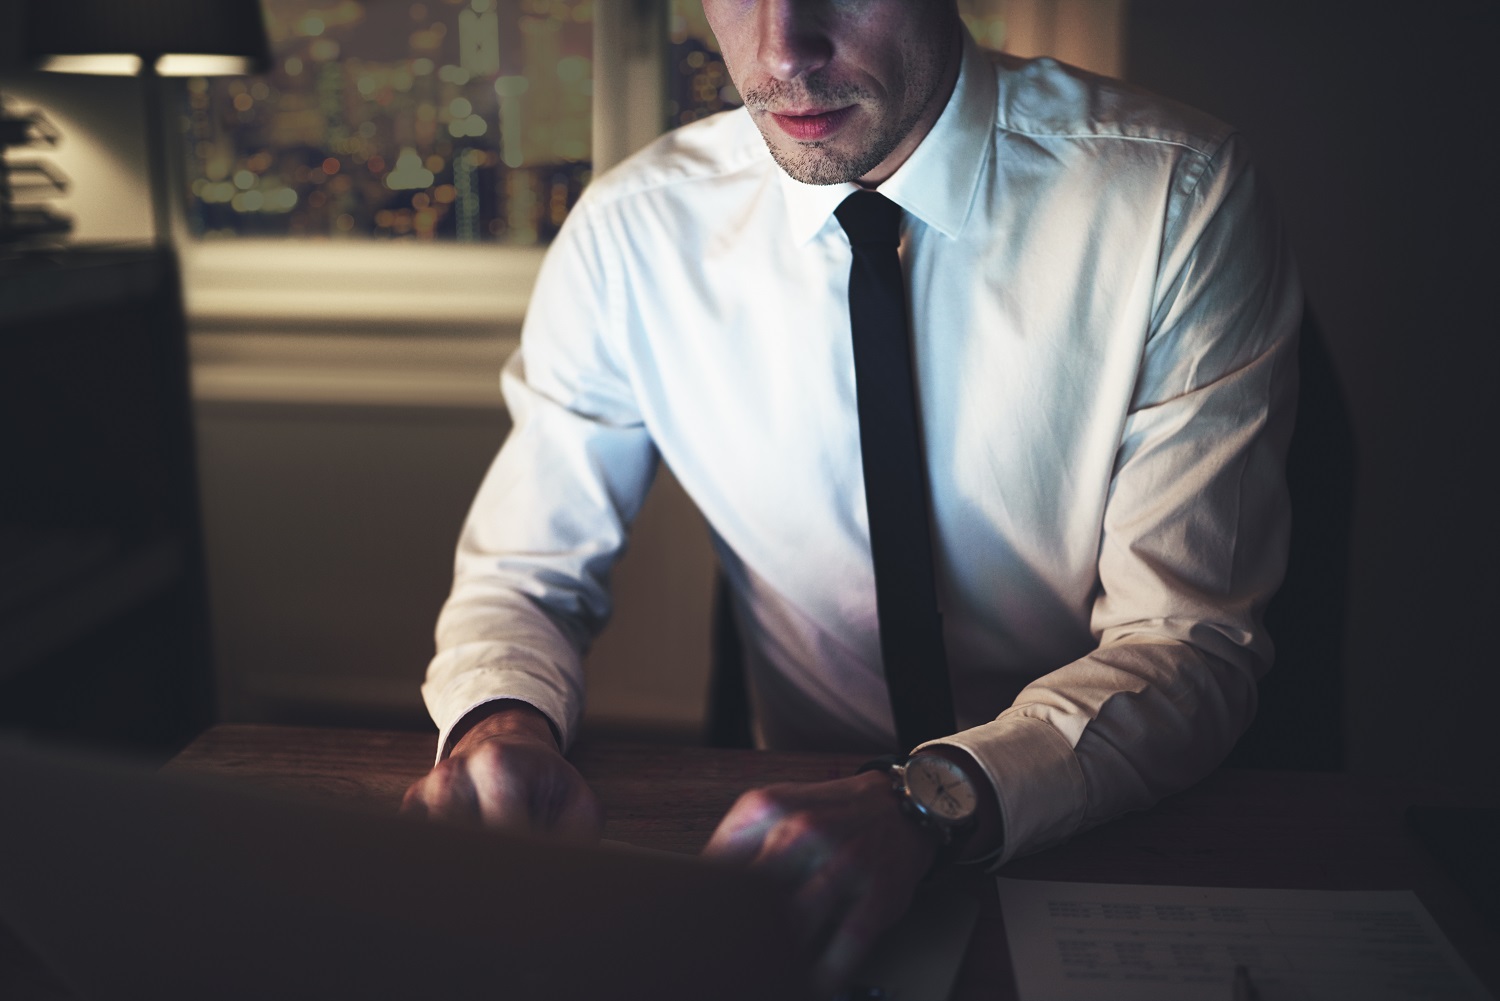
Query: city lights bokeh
[445, 119]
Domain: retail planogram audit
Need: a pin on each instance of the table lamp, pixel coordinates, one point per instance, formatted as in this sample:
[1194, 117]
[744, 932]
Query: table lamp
[151, 39]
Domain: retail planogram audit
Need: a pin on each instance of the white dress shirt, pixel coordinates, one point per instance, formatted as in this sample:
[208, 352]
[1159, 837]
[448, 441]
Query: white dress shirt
[1103, 316]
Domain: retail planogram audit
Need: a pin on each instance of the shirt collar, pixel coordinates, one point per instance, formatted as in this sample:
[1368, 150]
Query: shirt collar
[937, 182]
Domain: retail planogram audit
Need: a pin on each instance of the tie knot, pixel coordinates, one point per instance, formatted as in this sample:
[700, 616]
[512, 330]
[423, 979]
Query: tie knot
[870, 217]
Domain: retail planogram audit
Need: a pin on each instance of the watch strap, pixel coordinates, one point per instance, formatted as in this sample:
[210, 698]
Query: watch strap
[884, 763]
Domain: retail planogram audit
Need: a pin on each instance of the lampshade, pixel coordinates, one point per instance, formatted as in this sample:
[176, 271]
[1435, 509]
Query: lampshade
[205, 30]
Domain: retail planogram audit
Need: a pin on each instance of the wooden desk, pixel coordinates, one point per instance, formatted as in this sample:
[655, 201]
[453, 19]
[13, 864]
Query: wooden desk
[1237, 828]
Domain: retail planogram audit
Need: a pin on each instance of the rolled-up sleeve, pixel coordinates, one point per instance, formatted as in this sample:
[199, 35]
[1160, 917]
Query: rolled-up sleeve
[550, 519]
[1194, 536]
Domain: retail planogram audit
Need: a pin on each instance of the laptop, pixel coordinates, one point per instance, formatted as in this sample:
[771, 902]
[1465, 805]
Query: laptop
[131, 884]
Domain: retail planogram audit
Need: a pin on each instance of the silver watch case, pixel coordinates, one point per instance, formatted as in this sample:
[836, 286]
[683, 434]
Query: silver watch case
[937, 794]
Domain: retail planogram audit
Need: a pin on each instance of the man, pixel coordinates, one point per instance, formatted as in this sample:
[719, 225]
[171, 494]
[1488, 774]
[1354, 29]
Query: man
[1102, 343]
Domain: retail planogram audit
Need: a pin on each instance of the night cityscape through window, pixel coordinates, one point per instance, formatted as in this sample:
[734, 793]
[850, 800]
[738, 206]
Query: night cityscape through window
[698, 84]
[445, 119]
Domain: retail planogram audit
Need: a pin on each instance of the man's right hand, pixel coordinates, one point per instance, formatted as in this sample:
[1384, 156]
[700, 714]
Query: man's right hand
[506, 771]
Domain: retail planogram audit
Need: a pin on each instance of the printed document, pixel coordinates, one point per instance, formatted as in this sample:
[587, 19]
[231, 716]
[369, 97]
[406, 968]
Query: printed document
[1084, 941]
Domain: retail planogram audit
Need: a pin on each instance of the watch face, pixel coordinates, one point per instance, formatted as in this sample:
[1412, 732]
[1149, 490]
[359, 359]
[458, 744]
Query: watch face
[941, 788]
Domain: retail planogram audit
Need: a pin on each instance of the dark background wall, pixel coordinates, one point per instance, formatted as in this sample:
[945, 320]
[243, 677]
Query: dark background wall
[1376, 125]
[10, 32]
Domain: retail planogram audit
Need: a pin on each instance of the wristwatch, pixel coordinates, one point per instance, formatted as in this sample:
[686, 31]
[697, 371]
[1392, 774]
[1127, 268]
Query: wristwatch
[937, 794]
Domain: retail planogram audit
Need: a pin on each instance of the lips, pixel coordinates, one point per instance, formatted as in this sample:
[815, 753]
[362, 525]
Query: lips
[810, 128]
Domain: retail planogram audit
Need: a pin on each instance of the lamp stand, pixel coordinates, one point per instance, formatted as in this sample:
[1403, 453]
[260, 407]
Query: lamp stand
[155, 89]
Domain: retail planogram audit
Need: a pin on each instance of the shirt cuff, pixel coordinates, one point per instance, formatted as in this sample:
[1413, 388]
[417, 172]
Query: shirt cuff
[1036, 777]
[478, 686]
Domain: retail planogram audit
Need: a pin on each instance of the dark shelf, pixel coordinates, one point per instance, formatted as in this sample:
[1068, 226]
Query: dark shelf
[102, 584]
[103, 612]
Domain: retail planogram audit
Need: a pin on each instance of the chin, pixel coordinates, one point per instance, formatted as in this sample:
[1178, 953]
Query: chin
[814, 167]
[812, 162]
[816, 163]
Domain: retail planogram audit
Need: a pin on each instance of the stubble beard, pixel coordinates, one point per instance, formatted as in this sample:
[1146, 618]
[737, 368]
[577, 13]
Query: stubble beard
[821, 162]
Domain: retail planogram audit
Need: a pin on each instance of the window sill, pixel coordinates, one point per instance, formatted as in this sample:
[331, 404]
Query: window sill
[349, 369]
[314, 322]
[359, 287]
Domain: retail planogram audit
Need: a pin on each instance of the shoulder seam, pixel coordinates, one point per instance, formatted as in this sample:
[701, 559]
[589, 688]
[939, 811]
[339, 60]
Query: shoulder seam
[1190, 147]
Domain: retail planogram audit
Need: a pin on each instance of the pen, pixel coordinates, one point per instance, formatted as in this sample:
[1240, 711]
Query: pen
[1243, 988]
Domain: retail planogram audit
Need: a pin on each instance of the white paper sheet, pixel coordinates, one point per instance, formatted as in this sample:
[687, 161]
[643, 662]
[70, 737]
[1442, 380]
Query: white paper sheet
[1088, 941]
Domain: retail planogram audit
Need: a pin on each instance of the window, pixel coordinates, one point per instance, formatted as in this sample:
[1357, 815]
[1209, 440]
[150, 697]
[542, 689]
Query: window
[698, 84]
[466, 120]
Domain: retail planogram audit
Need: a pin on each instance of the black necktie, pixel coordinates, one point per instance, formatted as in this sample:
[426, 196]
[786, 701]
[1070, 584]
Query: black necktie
[911, 633]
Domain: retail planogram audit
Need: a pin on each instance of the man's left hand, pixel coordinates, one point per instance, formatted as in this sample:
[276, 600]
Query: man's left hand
[851, 857]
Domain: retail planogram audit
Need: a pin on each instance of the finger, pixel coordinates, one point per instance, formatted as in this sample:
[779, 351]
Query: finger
[500, 796]
[446, 795]
[552, 788]
[864, 921]
[794, 848]
[818, 905]
[412, 803]
[846, 950]
[581, 818]
[740, 833]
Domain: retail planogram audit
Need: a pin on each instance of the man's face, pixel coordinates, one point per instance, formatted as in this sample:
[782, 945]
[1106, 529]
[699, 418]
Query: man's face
[842, 90]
